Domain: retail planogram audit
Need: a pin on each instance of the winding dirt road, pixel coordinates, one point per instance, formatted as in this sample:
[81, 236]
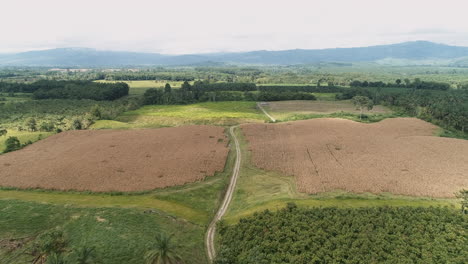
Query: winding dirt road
[210, 234]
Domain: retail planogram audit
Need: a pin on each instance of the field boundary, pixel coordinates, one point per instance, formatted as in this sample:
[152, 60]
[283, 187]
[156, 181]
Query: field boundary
[265, 112]
[226, 201]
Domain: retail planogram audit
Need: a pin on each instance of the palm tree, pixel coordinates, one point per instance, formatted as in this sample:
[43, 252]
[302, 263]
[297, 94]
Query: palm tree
[163, 251]
[84, 255]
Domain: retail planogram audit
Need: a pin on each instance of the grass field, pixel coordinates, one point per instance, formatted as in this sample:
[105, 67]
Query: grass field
[23, 136]
[211, 113]
[258, 190]
[140, 86]
[325, 96]
[117, 235]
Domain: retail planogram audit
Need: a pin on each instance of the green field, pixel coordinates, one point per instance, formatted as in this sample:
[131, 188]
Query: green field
[211, 113]
[23, 136]
[117, 235]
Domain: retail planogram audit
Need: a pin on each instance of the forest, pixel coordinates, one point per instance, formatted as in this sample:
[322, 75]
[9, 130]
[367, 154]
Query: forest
[448, 109]
[61, 114]
[406, 83]
[51, 89]
[332, 235]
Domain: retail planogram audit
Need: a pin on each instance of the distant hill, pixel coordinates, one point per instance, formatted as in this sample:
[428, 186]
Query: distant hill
[407, 51]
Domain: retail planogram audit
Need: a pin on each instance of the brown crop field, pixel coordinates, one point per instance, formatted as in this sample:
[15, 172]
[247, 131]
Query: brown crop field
[398, 155]
[117, 160]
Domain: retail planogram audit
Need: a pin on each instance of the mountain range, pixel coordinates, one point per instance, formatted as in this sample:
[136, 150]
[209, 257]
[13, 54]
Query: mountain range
[410, 52]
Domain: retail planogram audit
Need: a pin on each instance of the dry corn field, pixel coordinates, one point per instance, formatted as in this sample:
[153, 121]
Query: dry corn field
[397, 155]
[117, 160]
[320, 107]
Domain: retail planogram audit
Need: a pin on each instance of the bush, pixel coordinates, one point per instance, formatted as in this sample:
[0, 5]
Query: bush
[12, 144]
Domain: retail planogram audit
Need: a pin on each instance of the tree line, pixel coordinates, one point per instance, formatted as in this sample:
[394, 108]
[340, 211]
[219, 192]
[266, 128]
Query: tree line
[83, 90]
[446, 108]
[406, 83]
[205, 92]
[51, 89]
[332, 235]
[301, 88]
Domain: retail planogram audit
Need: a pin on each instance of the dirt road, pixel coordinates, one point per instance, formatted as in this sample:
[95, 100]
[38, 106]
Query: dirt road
[210, 234]
[259, 105]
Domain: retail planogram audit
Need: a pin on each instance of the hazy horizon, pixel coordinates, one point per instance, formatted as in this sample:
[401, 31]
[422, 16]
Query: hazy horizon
[207, 26]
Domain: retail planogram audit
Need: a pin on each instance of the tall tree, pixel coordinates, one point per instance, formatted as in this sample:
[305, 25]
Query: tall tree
[167, 88]
[31, 124]
[362, 102]
[463, 195]
[186, 86]
[96, 112]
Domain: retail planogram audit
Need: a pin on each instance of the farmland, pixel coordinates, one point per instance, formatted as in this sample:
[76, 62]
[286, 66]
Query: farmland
[100, 220]
[399, 156]
[296, 110]
[222, 113]
[164, 157]
[117, 160]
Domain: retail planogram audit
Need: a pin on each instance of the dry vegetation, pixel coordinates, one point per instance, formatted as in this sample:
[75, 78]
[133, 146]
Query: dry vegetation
[397, 155]
[117, 160]
[284, 109]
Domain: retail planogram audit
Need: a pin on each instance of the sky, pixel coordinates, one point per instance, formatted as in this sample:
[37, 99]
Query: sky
[202, 26]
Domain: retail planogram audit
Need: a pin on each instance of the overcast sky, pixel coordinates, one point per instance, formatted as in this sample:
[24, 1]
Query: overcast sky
[196, 26]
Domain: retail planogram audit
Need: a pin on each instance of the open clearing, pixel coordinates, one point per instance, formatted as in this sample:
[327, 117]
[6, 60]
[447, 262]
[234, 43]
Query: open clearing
[285, 109]
[117, 160]
[23, 137]
[210, 113]
[397, 155]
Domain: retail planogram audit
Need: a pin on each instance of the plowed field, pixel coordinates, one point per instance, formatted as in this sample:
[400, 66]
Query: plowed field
[117, 160]
[397, 155]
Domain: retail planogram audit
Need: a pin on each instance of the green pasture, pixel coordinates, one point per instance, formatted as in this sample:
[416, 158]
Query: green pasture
[23, 136]
[210, 113]
[118, 235]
